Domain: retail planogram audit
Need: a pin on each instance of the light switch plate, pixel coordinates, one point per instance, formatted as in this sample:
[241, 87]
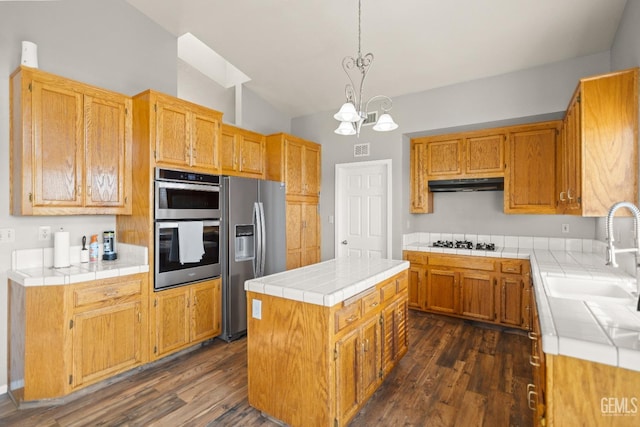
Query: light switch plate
[256, 309]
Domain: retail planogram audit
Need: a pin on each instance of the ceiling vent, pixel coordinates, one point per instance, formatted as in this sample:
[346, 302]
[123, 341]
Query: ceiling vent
[371, 118]
[361, 150]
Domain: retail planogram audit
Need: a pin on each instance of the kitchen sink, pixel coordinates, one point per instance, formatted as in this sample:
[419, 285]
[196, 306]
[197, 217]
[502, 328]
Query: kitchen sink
[586, 289]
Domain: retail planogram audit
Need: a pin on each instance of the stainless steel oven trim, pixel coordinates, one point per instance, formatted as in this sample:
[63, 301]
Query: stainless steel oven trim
[177, 278]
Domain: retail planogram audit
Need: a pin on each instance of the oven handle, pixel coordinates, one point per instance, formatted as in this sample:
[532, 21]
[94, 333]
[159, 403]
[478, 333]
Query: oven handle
[174, 224]
[212, 188]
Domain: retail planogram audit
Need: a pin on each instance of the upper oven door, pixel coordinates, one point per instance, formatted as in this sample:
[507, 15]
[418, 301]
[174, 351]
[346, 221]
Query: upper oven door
[177, 200]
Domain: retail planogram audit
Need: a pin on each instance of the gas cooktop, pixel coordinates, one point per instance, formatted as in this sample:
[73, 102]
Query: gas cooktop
[464, 244]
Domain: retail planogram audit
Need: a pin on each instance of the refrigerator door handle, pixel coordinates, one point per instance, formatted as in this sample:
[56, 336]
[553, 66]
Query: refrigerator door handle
[263, 240]
[257, 239]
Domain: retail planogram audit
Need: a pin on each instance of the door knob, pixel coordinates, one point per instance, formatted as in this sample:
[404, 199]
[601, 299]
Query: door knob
[344, 242]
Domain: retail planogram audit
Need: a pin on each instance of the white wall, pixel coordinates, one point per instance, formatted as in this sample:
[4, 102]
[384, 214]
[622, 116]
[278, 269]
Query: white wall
[511, 98]
[107, 44]
[257, 114]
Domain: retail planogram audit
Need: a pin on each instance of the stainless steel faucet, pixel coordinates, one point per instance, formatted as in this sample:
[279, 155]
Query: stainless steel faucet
[611, 249]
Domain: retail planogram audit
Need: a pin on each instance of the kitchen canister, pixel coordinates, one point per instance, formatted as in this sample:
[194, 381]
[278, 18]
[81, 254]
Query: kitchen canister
[29, 54]
[61, 249]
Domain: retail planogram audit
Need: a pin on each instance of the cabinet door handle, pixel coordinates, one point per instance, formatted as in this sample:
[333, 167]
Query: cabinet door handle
[562, 198]
[532, 336]
[532, 359]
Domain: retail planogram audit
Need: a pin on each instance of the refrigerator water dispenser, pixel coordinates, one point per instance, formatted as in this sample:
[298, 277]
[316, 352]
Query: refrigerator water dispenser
[244, 242]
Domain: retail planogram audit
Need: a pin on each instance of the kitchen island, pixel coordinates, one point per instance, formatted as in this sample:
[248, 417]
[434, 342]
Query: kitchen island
[322, 338]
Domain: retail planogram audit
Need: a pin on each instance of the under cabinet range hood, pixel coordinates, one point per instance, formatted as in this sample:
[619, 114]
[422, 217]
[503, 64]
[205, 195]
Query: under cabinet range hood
[471, 184]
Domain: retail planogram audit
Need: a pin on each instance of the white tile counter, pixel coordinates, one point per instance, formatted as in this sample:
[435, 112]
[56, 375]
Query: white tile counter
[604, 332]
[34, 267]
[327, 283]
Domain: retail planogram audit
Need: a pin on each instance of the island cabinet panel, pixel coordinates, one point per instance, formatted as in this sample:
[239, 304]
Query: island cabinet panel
[494, 290]
[316, 365]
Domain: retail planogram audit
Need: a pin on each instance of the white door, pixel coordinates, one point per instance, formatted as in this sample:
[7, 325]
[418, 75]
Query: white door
[363, 209]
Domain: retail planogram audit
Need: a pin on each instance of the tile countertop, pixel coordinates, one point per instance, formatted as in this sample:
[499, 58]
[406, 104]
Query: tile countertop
[327, 283]
[34, 267]
[604, 332]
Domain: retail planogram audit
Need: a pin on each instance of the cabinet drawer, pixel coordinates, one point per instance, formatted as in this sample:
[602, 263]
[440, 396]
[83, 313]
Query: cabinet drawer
[402, 283]
[512, 267]
[370, 302]
[388, 290]
[466, 262]
[347, 315]
[91, 295]
[416, 257]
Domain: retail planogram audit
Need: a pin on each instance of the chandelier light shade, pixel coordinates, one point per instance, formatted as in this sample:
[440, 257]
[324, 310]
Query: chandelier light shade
[346, 128]
[352, 114]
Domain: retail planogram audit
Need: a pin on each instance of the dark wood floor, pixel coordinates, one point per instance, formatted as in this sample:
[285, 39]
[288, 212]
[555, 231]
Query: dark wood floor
[455, 374]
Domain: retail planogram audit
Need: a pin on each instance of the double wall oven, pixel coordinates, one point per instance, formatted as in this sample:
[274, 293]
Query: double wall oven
[189, 203]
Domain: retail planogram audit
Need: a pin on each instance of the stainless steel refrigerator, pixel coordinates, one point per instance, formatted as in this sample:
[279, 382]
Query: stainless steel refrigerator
[253, 243]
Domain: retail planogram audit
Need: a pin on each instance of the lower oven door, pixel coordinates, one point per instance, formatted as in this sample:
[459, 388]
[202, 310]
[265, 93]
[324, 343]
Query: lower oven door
[169, 271]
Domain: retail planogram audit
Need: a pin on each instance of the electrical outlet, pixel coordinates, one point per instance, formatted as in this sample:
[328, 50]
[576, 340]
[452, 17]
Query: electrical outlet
[565, 228]
[7, 235]
[44, 232]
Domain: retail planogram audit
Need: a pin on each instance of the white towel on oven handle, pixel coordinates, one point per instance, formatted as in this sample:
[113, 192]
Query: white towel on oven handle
[190, 241]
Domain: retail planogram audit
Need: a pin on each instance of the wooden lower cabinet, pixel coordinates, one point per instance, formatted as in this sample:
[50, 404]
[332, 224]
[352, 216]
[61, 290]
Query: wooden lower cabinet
[88, 332]
[567, 391]
[495, 290]
[316, 365]
[185, 315]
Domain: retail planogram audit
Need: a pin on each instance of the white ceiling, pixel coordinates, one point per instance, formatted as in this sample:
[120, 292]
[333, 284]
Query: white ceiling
[292, 49]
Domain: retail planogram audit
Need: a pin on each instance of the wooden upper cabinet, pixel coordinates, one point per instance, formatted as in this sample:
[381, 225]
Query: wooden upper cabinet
[71, 147]
[473, 154]
[485, 155]
[187, 135]
[444, 158]
[421, 198]
[296, 162]
[530, 179]
[600, 152]
[107, 151]
[242, 152]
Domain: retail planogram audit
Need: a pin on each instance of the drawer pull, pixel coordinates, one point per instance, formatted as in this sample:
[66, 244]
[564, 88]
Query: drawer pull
[375, 304]
[351, 318]
[532, 361]
[110, 293]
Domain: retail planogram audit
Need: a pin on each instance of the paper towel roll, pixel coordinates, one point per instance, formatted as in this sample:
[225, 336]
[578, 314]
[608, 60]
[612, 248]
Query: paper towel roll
[61, 249]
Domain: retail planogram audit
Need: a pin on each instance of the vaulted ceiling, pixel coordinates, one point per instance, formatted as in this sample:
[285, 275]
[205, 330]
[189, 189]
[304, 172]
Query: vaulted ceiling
[292, 49]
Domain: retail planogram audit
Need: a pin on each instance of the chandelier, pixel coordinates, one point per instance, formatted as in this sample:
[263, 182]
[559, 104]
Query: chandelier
[351, 114]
